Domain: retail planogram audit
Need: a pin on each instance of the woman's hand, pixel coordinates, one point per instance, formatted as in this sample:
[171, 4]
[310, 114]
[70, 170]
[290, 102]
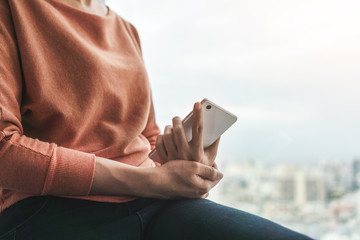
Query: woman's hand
[181, 179]
[174, 179]
[173, 144]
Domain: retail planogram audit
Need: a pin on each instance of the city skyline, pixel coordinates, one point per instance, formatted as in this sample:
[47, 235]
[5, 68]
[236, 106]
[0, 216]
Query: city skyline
[319, 200]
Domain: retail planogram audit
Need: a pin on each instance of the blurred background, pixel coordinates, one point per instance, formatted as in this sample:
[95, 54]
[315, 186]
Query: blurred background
[290, 71]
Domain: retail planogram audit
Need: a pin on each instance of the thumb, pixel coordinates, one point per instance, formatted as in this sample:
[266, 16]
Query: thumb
[212, 149]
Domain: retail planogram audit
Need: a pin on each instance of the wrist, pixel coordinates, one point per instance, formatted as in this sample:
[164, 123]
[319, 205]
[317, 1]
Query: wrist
[144, 182]
[115, 178]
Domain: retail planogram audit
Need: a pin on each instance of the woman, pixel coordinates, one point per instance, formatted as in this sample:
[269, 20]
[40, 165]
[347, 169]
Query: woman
[76, 126]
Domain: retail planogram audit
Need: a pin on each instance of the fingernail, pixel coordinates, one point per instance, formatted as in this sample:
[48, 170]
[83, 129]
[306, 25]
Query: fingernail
[167, 128]
[198, 106]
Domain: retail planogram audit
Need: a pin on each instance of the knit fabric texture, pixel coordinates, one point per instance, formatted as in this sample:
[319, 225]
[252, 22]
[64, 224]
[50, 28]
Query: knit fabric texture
[73, 87]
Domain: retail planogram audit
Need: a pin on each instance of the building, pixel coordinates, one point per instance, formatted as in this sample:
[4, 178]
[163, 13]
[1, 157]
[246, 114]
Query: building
[356, 174]
[299, 187]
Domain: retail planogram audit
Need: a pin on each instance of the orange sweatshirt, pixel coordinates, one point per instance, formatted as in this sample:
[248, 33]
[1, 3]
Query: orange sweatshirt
[73, 86]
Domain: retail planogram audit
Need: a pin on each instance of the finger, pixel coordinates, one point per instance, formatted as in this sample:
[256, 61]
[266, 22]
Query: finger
[215, 166]
[205, 195]
[179, 134]
[160, 149]
[209, 173]
[205, 185]
[197, 126]
[211, 151]
[213, 147]
[212, 184]
[169, 143]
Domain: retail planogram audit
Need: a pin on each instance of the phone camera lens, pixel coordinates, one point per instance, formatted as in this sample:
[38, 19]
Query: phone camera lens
[208, 107]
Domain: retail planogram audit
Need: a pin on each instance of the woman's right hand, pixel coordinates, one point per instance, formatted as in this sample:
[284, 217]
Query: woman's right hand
[174, 179]
[181, 179]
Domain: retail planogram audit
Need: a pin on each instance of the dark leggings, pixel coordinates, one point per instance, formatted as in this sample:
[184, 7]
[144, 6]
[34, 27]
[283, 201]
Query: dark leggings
[51, 217]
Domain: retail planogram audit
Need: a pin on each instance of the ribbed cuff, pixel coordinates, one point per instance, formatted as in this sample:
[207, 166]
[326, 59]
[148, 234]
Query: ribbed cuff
[70, 173]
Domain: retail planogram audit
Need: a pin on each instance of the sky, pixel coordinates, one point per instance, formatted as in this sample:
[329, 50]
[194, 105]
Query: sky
[289, 69]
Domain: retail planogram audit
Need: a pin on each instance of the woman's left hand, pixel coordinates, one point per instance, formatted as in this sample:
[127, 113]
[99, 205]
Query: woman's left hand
[173, 145]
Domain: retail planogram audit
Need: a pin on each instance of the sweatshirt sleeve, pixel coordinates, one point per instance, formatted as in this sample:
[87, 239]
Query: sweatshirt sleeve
[26, 164]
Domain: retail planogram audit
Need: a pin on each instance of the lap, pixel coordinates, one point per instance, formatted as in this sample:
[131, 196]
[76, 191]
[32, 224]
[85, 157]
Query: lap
[63, 218]
[204, 219]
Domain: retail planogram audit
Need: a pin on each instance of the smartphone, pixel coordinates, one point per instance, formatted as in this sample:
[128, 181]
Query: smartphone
[216, 120]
